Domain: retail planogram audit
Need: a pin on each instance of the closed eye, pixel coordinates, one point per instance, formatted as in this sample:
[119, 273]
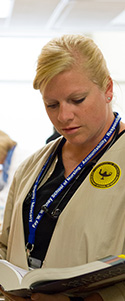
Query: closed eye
[52, 106]
[77, 101]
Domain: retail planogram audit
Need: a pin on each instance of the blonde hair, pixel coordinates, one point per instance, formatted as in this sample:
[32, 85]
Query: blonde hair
[63, 53]
[6, 143]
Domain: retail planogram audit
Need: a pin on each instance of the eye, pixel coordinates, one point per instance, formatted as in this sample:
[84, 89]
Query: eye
[52, 106]
[77, 101]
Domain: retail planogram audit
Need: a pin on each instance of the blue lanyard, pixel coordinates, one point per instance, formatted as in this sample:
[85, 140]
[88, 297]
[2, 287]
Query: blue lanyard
[34, 223]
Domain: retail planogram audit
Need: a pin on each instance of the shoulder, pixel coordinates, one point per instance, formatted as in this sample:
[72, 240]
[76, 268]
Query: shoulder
[122, 127]
[38, 158]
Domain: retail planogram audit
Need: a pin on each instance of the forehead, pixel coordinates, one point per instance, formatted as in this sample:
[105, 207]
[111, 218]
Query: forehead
[68, 81]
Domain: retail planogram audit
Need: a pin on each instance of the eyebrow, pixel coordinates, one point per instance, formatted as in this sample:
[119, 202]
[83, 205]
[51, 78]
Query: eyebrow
[77, 94]
[70, 96]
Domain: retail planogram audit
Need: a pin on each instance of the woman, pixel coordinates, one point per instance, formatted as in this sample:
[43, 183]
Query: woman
[72, 191]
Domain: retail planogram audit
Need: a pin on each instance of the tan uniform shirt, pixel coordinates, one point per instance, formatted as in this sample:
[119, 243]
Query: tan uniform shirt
[91, 226]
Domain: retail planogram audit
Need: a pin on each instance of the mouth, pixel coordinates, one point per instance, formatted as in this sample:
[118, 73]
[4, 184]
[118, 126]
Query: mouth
[71, 130]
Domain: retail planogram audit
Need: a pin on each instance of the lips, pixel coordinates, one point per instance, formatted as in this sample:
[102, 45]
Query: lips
[70, 130]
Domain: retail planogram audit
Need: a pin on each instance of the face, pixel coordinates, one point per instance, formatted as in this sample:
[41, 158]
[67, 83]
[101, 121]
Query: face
[76, 106]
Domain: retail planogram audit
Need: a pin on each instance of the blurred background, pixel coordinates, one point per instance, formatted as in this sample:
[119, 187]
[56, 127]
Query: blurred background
[25, 26]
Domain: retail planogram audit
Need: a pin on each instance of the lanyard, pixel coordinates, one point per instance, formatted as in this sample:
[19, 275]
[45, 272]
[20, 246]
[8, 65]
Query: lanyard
[34, 223]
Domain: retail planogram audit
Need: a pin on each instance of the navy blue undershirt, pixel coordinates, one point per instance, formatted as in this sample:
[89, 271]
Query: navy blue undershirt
[47, 224]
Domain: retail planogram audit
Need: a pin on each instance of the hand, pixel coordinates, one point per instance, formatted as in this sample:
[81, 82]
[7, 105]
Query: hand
[43, 297]
[35, 297]
[93, 297]
[11, 297]
[59, 297]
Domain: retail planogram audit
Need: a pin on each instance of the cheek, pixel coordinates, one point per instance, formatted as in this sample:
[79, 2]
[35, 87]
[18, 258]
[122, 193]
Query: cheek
[91, 116]
[51, 116]
[48, 112]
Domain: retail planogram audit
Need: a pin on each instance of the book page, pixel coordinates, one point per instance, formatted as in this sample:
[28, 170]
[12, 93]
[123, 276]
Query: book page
[21, 271]
[10, 275]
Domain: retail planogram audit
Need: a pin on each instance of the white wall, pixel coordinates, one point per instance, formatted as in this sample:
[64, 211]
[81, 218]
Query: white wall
[112, 45]
[23, 115]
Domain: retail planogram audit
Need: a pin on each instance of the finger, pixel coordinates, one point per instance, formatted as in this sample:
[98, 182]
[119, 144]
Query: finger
[12, 297]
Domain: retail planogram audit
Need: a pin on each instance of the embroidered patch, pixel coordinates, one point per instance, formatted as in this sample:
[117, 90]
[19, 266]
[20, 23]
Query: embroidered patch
[105, 175]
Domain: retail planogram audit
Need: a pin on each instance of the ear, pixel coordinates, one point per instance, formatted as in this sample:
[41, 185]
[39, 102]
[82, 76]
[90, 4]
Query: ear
[109, 90]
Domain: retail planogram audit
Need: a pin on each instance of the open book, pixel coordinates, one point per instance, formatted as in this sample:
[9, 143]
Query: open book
[74, 281]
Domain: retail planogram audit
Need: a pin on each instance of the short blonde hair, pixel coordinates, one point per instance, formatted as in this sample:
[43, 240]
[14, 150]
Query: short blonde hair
[63, 53]
[6, 143]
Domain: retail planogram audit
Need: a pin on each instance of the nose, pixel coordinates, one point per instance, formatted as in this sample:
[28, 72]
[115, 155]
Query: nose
[65, 112]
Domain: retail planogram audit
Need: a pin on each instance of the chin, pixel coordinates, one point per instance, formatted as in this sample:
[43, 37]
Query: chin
[75, 141]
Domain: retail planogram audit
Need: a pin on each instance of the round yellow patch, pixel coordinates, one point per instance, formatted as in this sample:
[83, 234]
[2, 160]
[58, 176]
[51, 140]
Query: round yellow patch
[105, 175]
